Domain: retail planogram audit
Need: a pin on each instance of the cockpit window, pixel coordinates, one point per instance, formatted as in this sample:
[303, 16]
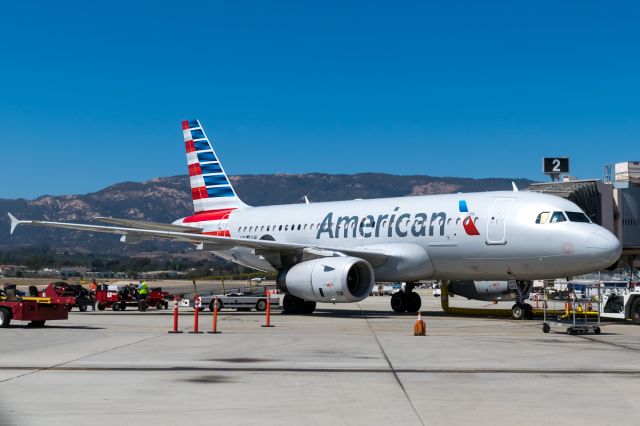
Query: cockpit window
[578, 217]
[558, 217]
[542, 217]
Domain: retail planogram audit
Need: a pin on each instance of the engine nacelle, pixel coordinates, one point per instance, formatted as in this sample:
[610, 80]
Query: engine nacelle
[131, 239]
[490, 291]
[330, 279]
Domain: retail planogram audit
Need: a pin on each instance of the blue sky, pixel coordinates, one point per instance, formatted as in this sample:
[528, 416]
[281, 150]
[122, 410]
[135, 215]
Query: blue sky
[92, 93]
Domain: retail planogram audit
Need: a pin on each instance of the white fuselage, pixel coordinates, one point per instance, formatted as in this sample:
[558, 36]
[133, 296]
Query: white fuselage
[497, 237]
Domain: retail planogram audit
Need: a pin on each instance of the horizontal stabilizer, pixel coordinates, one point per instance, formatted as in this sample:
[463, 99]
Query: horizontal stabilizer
[14, 222]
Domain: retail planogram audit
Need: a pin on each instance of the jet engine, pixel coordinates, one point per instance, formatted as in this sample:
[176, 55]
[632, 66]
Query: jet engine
[490, 291]
[331, 279]
[131, 239]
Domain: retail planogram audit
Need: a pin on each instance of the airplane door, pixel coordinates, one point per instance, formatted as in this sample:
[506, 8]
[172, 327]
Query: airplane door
[496, 224]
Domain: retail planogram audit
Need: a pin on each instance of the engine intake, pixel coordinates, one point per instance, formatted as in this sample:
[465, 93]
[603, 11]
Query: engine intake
[331, 279]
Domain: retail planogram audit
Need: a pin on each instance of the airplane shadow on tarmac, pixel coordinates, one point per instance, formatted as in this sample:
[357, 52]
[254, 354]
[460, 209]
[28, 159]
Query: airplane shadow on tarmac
[325, 313]
[61, 327]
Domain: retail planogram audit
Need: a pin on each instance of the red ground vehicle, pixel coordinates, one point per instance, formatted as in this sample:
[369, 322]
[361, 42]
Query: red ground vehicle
[158, 298]
[119, 298]
[36, 310]
[82, 298]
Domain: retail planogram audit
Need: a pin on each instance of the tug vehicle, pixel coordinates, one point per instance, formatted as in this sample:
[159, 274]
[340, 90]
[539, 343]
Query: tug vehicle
[622, 303]
[37, 310]
[119, 298]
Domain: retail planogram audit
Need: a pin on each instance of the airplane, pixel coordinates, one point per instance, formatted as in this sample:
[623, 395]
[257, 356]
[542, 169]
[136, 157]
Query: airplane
[334, 252]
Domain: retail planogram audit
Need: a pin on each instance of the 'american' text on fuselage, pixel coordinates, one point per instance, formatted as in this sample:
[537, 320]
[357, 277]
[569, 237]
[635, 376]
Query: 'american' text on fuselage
[368, 226]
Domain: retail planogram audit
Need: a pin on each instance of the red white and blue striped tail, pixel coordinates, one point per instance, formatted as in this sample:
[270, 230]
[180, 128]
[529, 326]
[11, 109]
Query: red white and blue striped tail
[210, 186]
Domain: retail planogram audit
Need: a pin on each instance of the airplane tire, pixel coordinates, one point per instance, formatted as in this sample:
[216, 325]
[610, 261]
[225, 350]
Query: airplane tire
[414, 302]
[635, 311]
[399, 302]
[308, 307]
[528, 311]
[292, 304]
[518, 312]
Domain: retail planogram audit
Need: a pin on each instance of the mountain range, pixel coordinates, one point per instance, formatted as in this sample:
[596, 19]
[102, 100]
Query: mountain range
[168, 198]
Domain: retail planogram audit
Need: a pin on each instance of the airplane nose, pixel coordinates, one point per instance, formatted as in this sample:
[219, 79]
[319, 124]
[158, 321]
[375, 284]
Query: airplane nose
[604, 246]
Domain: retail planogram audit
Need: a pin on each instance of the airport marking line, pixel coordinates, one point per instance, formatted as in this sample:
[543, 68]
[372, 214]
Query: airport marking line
[393, 370]
[62, 367]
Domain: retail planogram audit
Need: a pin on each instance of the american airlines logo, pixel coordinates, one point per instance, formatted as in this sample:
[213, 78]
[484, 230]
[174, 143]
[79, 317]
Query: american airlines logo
[393, 225]
[468, 222]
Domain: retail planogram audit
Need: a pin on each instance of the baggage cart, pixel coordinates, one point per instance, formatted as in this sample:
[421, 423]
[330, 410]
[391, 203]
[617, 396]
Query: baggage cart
[581, 314]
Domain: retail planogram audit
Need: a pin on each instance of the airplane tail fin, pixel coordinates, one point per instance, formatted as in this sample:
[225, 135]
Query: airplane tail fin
[210, 186]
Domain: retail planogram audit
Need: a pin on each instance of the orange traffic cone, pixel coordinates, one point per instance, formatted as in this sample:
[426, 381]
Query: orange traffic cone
[420, 328]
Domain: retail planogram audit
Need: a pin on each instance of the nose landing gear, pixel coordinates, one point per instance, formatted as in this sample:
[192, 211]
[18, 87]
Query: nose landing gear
[406, 300]
[522, 310]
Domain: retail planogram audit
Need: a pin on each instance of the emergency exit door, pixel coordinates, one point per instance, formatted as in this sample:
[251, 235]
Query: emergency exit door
[497, 221]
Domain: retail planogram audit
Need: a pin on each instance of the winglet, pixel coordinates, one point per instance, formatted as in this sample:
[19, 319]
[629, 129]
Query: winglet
[515, 188]
[306, 200]
[14, 222]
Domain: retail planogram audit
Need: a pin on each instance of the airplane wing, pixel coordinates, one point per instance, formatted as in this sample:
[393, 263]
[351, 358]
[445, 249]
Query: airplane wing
[149, 225]
[210, 242]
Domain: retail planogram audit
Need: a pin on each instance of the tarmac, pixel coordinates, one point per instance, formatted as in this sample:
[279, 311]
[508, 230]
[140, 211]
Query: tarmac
[356, 364]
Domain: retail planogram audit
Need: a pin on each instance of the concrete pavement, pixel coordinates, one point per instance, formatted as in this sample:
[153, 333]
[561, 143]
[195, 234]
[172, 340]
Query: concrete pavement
[346, 364]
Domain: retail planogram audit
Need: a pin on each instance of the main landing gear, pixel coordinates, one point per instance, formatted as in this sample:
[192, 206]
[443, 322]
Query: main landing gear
[521, 310]
[406, 300]
[295, 305]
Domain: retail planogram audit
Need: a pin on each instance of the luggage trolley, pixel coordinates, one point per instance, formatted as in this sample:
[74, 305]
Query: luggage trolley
[581, 314]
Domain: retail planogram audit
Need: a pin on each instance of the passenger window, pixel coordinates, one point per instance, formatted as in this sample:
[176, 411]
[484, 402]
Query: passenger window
[558, 217]
[542, 218]
[267, 228]
[280, 228]
[286, 227]
[305, 226]
[299, 227]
